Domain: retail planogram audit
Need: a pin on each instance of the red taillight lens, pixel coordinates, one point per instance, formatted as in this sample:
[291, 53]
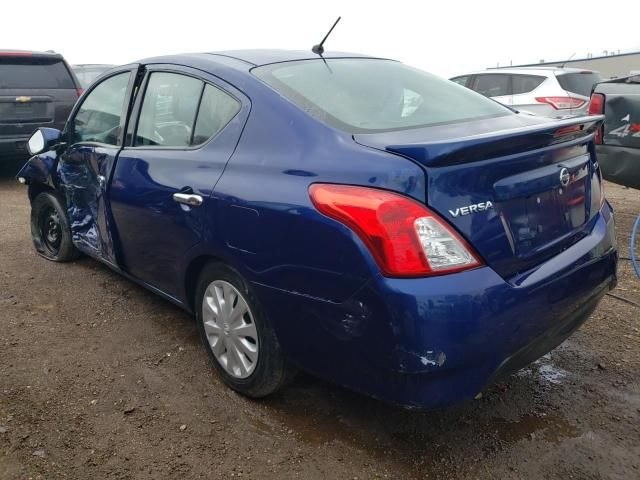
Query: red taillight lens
[80, 91]
[561, 103]
[596, 107]
[405, 237]
[596, 104]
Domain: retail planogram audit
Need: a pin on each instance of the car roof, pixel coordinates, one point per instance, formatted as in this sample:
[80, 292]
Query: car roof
[246, 59]
[28, 53]
[267, 56]
[543, 71]
[92, 65]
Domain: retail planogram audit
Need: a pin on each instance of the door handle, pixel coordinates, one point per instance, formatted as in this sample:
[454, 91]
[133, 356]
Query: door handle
[190, 199]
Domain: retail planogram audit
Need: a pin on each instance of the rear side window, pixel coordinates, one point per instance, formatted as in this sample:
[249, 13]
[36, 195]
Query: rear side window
[181, 111]
[461, 80]
[581, 83]
[169, 110]
[526, 83]
[493, 84]
[34, 72]
[216, 110]
[366, 95]
[99, 118]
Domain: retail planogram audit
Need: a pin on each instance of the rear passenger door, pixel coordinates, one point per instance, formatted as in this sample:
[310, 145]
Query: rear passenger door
[184, 128]
[494, 85]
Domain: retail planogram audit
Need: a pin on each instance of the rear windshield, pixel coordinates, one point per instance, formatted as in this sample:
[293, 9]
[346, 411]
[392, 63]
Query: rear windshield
[367, 95]
[32, 72]
[581, 83]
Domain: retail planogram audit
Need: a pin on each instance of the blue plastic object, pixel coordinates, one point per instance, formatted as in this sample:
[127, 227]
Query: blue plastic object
[632, 247]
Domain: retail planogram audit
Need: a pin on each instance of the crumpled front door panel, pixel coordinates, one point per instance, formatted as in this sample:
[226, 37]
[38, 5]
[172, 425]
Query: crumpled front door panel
[84, 172]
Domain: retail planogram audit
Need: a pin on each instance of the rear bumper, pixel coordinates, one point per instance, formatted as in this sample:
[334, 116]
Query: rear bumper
[14, 145]
[432, 342]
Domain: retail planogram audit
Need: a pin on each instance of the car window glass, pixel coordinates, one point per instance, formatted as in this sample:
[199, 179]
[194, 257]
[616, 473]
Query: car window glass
[581, 83]
[493, 85]
[370, 95]
[169, 110]
[33, 72]
[216, 110]
[526, 83]
[99, 117]
[460, 80]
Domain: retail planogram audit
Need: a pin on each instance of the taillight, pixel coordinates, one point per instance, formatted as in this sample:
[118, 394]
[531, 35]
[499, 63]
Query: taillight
[80, 91]
[405, 237]
[562, 103]
[596, 104]
[596, 107]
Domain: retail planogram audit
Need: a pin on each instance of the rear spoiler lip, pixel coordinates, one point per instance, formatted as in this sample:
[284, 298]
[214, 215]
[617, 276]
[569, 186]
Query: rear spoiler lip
[499, 142]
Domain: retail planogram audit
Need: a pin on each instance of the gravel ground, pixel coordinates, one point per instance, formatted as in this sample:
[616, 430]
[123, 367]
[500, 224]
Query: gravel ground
[100, 378]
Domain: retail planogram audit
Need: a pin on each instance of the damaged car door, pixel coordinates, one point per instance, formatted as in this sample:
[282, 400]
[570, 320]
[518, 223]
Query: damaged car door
[95, 134]
[184, 127]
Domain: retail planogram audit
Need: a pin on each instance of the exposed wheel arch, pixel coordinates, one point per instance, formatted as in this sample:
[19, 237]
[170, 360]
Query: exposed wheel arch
[37, 188]
[192, 274]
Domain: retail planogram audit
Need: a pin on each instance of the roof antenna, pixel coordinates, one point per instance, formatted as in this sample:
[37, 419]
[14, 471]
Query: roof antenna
[567, 60]
[319, 49]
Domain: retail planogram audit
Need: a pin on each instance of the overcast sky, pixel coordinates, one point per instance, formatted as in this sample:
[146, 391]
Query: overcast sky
[443, 37]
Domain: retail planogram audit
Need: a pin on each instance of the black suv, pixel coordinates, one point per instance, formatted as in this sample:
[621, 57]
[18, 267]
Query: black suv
[37, 89]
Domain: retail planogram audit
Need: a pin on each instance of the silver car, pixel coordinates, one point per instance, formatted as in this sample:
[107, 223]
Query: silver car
[549, 92]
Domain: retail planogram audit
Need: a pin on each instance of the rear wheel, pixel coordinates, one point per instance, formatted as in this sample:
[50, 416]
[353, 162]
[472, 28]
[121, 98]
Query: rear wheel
[237, 335]
[50, 229]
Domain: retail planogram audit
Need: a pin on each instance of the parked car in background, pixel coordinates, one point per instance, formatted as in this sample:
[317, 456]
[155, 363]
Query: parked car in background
[618, 140]
[88, 72]
[549, 92]
[37, 89]
[365, 221]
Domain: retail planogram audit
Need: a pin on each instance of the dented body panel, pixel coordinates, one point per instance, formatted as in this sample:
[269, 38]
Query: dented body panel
[419, 342]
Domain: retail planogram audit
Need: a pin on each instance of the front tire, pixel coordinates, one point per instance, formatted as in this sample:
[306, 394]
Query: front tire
[237, 334]
[50, 230]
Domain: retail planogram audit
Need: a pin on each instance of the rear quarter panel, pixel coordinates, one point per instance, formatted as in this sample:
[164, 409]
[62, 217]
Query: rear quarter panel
[267, 222]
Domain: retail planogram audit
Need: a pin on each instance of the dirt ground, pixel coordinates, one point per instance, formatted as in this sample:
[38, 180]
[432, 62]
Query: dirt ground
[102, 379]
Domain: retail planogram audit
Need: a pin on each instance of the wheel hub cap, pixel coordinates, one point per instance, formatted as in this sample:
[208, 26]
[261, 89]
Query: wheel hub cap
[230, 329]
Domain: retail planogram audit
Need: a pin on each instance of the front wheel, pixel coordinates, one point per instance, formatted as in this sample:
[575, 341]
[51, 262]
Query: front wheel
[50, 230]
[237, 335]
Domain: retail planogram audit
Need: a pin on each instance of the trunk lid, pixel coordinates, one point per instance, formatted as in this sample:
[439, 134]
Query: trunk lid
[519, 189]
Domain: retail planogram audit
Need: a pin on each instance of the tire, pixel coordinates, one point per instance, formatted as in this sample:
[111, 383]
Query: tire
[50, 229]
[256, 374]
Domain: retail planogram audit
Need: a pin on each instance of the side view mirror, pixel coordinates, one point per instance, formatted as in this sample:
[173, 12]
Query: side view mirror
[43, 139]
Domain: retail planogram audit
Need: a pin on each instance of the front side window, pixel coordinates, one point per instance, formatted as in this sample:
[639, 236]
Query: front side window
[369, 95]
[99, 118]
[169, 110]
[493, 84]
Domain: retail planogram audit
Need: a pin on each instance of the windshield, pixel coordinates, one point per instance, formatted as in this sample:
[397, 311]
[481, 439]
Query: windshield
[368, 95]
[581, 83]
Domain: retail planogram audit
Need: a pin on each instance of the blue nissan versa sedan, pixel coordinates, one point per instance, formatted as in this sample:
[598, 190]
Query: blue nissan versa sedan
[350, 216]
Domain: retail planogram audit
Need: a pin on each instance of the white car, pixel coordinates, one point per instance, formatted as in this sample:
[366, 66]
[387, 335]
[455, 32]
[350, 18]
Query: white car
[549, 92]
